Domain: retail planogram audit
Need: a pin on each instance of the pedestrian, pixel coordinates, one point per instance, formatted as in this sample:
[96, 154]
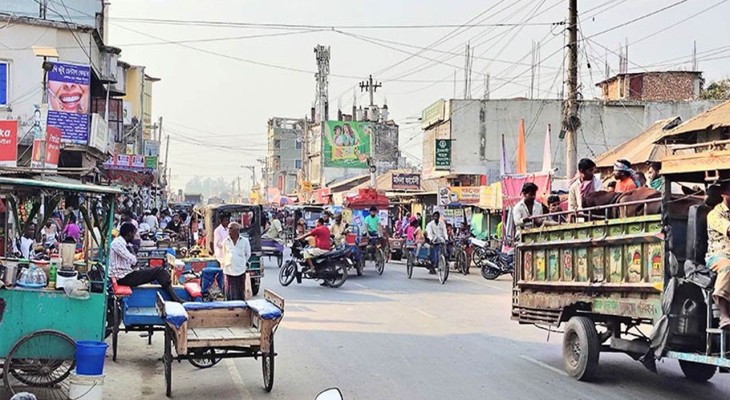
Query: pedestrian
[49, 234]
[219, 236]
[236, 252]
[151, 220]
[72, 230]
[122, 261]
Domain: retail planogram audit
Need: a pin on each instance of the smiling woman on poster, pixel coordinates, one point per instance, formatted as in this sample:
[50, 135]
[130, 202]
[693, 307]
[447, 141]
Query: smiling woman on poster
[68, 97]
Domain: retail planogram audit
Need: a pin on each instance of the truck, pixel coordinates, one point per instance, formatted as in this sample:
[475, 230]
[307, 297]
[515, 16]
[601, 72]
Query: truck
[606, 280]
[193, 198]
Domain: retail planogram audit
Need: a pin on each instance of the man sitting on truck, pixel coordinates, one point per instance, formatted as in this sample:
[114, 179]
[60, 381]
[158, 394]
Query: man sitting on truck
[718, 253]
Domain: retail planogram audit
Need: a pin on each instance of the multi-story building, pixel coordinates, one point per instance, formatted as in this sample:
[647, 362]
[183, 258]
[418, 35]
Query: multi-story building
[284, 155]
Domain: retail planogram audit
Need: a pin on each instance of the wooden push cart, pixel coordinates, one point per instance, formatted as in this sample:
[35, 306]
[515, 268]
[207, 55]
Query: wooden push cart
[211, 331]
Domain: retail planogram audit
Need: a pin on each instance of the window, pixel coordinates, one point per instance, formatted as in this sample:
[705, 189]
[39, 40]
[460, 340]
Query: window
[298, 164]
[298, 144]
[277, 143]
[4, 83]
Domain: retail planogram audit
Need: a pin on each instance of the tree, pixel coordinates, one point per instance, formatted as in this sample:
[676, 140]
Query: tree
[717, 90]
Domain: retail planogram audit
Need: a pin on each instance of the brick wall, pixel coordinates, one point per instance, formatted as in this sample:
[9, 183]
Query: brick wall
[672, 86]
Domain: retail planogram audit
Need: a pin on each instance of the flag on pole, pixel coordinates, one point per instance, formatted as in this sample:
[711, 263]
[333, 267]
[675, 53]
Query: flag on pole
[521, 160]
[547, 159]
[504, 166]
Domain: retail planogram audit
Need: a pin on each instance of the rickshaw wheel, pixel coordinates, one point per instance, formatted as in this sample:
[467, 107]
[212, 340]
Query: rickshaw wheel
[409, 264]
[43, 376]
[379, 261]
[443, 269]
[207, 358]
[267, 366]
[461, 263]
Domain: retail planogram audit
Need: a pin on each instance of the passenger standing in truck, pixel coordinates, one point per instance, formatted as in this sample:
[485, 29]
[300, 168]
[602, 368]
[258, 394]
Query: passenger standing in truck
[527, 209]
[718, 253]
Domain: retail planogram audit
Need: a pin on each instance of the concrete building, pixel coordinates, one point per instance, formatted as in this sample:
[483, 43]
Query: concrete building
[138, 125]
[474, 129]
[284, 155]
[653, 86]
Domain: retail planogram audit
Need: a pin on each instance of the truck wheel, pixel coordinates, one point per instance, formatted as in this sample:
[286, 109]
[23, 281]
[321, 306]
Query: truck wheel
[581, 348]
[697, 372]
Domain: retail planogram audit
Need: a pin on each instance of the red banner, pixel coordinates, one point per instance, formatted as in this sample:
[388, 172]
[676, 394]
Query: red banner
[53, 149]
[8, 143]
[512, 187]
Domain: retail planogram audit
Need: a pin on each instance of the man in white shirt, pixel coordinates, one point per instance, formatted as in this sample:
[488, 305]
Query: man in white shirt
[122, 261]
[236, 252]
[219, 235]
[436, 234]
[151, 220]
[585, 184]
[527, 209]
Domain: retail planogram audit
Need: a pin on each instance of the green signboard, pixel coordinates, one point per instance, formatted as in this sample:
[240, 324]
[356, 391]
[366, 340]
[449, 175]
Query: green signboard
[346, 144]
[150, 162]
[443, 154]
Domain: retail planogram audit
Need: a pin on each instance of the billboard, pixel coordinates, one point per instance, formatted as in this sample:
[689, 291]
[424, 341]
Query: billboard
[69, 87]
[406, 182]
[53, 149]
[8, 143]
[346, 144]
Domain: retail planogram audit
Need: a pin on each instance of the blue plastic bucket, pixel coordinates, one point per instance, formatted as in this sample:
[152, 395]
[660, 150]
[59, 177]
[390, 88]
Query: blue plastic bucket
[90, 357]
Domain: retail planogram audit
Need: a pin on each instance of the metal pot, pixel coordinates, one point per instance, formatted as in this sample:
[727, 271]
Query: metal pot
[10, 272]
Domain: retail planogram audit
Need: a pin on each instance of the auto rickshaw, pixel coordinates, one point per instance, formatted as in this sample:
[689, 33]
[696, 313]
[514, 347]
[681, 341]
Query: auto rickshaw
[249, 216]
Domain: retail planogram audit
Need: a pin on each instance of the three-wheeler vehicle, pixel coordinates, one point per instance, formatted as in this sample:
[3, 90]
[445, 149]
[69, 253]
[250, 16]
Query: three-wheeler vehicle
[604, 278]
[249, 217]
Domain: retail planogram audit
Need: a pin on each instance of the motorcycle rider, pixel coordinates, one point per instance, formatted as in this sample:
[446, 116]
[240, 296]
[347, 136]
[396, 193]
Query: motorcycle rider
[338, 229]
[321, 234]
[436, 234]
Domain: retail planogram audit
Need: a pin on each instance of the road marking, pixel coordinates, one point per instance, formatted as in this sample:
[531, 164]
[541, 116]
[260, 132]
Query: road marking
[424, 313]
[486, 284]
[542, 364]
[360, 285]
[236, 378]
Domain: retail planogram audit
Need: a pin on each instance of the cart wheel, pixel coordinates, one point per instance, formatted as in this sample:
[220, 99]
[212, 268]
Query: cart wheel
[409, 264]
[280, 260]
[443, 269]
[206, 358]
[581, 348]
[267, 366]
[167, 361]
[697, 372]
[38, 373]
[379, 261]
[288, 273]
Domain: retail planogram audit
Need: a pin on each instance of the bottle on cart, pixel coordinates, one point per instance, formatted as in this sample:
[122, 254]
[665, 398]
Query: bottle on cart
[52, 277]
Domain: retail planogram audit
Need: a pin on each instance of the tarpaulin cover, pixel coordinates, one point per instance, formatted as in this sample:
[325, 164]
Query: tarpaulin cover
[215, 305]
[512, 187]
[366, 198]
[175, 313]
[265, 309]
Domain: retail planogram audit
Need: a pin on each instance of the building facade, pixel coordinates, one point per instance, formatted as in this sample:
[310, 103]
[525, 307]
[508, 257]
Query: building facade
[474, 129]
[284, 154]
[653, 86]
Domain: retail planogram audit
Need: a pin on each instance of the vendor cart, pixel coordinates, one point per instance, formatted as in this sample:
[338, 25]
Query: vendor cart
[39, 326]
[373, 248]
[207, 332]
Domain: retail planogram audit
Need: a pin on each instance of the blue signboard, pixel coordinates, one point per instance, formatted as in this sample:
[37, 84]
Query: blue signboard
[69, 99]
[3, 83]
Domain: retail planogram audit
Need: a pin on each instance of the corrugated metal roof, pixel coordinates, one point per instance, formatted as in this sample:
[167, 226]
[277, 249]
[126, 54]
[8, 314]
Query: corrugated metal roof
[714, 118]
[641, 148]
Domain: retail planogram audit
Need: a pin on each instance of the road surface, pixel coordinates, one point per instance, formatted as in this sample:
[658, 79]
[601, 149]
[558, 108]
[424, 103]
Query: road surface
[388, 337]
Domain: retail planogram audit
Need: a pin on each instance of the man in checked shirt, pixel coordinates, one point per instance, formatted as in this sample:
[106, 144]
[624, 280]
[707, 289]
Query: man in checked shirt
[121, 261]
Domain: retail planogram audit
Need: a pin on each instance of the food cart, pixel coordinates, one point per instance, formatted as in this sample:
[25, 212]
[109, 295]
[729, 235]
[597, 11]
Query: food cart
[40, 325]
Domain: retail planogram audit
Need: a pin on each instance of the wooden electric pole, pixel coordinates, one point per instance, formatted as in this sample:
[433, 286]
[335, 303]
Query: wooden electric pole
[571, 122]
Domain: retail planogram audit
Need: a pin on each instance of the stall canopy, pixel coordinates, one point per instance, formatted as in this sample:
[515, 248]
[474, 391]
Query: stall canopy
[366, 198]
[641, 148]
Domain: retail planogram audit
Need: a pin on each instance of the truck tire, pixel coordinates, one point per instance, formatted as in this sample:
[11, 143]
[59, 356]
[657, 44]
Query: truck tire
[581, 348]
[697, 372]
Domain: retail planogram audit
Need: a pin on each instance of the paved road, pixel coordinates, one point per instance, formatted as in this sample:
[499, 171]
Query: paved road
[387, 337]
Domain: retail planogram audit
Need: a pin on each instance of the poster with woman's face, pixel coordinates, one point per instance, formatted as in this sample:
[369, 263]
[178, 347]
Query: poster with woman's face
[69, 101]
[347, 144]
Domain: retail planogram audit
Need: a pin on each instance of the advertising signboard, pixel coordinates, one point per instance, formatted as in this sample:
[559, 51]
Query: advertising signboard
[69, 87]
[9, 143]
[151, 148]
[346, 144]
[443, 154]
[406, 182]
[433, 113]
[53, 149]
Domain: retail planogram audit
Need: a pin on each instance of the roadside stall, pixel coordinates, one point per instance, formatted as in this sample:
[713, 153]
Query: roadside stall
[40, 323]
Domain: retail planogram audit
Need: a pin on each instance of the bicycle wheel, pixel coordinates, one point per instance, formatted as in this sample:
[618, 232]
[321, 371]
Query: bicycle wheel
[379, 261]
[443, 269]
[461, 262]
[41, 362]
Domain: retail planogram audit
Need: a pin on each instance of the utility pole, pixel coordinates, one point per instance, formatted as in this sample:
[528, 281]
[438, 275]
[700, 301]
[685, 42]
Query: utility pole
[167, 153]
[371, 87]
[571, 122]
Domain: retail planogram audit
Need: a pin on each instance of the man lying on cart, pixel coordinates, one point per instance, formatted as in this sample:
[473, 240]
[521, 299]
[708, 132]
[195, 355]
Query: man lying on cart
[122, 259]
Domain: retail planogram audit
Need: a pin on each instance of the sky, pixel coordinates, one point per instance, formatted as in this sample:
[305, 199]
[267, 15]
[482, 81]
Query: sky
[222, 78]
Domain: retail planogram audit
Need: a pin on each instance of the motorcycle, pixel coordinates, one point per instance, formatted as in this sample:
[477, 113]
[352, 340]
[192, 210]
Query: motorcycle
[330, 267]
[493, 262]
[330, 394]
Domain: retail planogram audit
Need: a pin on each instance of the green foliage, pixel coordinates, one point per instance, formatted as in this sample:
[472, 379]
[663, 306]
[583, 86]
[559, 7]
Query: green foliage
[717, 90]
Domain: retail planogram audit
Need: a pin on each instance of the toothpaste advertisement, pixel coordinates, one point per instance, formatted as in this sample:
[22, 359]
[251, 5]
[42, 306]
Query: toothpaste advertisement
[69, 99]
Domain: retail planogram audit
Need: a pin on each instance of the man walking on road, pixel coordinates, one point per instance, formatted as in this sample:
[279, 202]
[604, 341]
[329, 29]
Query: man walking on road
[436, 234]
[236, 252]
[219, 235]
